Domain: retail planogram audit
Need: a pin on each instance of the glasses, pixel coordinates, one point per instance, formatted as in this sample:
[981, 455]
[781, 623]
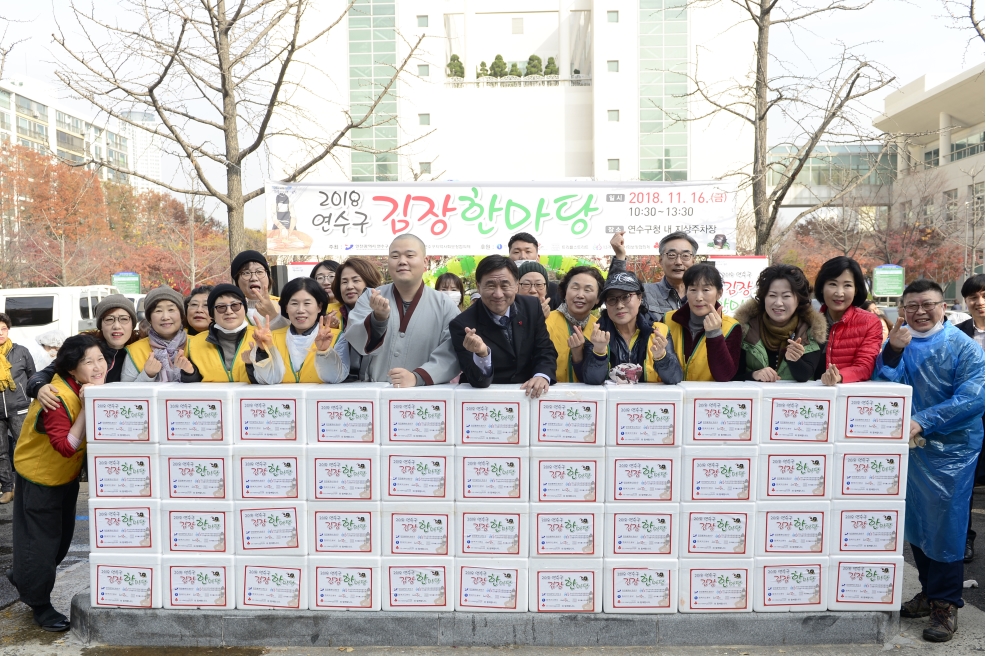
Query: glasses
[253, 273]
[325, 277]
[527, 286]
[232, 307]
[122, 320]
[622, 299]
[683, 256]
[927, 306]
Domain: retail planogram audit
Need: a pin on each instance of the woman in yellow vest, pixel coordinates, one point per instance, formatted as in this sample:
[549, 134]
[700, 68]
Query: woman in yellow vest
[572, 323]
[302, 352]
[49, 454]
[627, 345]
[161, 356]
[216, 355]
[708, 343]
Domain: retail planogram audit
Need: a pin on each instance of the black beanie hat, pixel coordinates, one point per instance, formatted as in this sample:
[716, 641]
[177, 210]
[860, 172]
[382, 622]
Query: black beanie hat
[245, 258]
[225, 289]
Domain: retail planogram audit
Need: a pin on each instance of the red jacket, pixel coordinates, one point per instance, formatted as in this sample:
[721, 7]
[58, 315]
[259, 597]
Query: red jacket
[854, 343]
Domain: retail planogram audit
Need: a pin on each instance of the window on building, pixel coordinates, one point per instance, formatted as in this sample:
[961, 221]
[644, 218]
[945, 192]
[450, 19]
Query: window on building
[424, 119]
[32, 129]
[950, 201]
[4, 99]
[30, 310]
[613, 115]
[613, 16]
[4, 121]
[931, 158]
[28, 107]
[928, 209]
[613, 164]
[70, 141]
[976, 201]
[906, 213]
[971, 145]
[425, 168]
[71, 157]
[423, 70]
[613, 66]
[422, 21]
[517, 25]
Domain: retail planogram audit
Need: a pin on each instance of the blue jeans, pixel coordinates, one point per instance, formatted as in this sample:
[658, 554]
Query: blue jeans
[939, 581]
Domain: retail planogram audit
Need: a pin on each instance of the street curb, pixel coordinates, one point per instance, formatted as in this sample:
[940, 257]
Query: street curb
[237, 628]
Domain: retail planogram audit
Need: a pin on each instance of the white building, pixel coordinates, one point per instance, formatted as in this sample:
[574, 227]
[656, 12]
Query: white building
[146, 149]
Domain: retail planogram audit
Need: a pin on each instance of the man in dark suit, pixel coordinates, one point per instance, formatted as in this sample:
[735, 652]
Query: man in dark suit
[973, 292]
[503, 337]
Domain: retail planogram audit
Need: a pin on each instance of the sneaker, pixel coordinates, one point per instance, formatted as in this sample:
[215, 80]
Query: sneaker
[7, 497]
[944, 622]
[917, 607]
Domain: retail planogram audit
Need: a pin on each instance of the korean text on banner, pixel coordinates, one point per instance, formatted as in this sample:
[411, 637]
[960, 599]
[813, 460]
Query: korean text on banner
[739, 278]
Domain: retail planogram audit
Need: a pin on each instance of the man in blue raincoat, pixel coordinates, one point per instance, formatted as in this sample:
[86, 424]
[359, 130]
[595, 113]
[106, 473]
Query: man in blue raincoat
[945, 371]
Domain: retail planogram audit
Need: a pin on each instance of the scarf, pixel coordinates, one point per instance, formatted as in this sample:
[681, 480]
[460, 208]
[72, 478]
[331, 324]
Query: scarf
[6, 378]
[775, 337]
[581, 323]
[299, 345]
[165, 353]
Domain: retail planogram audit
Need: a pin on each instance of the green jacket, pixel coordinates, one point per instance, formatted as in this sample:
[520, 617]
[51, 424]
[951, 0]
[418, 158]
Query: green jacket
[813, 333]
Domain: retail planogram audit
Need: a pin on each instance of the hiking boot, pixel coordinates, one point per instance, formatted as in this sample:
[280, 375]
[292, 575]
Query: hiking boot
[944, 622]
[7, 497]
[917, 607]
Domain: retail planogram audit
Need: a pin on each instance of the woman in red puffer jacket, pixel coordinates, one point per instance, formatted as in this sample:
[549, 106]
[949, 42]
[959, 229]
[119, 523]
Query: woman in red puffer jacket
[855, 335]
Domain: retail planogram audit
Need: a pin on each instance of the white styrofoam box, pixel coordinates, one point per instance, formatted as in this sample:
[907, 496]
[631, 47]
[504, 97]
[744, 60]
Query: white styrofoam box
[721, 413]
[797, 412]
[417, 416]
[125, 580]
[640, 585]
[867, 527]
[873, 582]
[351, 583]
[574, 474]
[277, 527]
[121, 412]
[719, 473]
[197, 527]
[498, 415]
[559, 529]
[124, 470]
[417, 473]
[795, 471]
[342, 473]
[270, 471]
[199, 472]
[632, 530]
[707, 585]
[497, 585]
[198, 582]
[652, 476]
[492, 473]
[412, 529]
[265, 414]
[344, 414]
[790, 584]
[271, 582]
[870, 471]
[793, 528]
[717, 530]
[196, 414]
[570, 413]
[643, 415]
[565, 585]
[346, 529]
[418, 584]
[873, 412]
[492, 529]
[124, 526]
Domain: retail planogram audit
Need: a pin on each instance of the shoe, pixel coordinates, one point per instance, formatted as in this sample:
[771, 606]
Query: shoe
[970, 546]
[7, 497]
[944, 622]
[50, 619]
[917, 607]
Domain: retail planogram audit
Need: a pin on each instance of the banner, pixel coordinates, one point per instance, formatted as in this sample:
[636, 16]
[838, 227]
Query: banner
[454, 218]
[739, 278]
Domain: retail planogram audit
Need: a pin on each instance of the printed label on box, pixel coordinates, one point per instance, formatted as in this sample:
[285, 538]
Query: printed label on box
[796, 475]
[190, 478]
[867, 583]
[792, 585]
[124, 586]
[417, 586]
[491, 533]
[268, 419]
[567, 480]
[197, 531]
[799, 532]
[868, 530]
[723, 420]
[121, 421]
[645, 424]
[870, 474]
[343, 478]
[122, 476]
[567, 421]
[567, 591]
[123, 528]
[642, 480]
[641, 588]
[720, 478]
[269, 478]
[344, 587]
[278, 587]
[269, 528]
[875, 417]
[483, 587]
[343, 531]
[416, 476]
[490, 423]
[415, 533]
[198, 586]
[800, 420]
[569, 533]
[717, 589]
[345, 421]
[642, 533]
[717, 533]
[490, 478]
[194, 420]
[417, 421]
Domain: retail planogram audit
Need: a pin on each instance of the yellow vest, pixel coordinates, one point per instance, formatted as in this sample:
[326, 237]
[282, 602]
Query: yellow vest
[208, 359]
[560, 330]
[334, 306]
[306, 374]
[140, 351]
[697, 366]
[34, 457]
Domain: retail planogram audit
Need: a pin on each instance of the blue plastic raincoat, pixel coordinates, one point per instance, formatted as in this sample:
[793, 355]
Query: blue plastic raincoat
[946, 374]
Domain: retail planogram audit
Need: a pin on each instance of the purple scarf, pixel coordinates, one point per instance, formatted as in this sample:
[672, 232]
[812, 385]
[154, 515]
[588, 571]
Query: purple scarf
[165, 352]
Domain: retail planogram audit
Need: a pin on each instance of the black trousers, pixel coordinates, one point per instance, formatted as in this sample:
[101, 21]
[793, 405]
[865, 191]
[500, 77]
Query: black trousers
[44, 521]
[10, 430]
[939, 581]
[978, 480]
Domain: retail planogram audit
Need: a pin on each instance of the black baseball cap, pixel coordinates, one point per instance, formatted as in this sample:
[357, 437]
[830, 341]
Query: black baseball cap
[623, 281]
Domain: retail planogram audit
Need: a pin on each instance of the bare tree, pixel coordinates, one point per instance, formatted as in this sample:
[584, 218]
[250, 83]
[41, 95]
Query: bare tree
[963, 14]
[7, 46]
